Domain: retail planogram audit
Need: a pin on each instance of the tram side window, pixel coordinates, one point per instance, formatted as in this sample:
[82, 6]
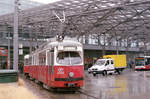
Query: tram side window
[34, 60]
[30, 61]
[26, 62]
[147, 62]
[42, 58]
[50, 59]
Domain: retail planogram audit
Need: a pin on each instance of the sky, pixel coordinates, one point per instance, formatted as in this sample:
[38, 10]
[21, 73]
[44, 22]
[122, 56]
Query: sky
[45, 1]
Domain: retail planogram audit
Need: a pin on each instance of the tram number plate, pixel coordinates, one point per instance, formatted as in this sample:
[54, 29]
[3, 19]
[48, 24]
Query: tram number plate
[71, 84]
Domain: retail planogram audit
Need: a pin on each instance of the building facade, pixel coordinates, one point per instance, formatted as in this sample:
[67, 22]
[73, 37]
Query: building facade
[7, 6]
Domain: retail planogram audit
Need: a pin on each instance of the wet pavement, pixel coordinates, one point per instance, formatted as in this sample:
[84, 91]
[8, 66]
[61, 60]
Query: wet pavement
[128, 85]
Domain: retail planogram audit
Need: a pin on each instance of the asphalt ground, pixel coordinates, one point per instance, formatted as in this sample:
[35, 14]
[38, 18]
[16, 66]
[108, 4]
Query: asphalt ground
[129, 85]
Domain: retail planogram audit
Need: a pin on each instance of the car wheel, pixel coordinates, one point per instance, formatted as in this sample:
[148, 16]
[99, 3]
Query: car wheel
[94, 74]
[110, 73]
[104, 73]
[118, 72]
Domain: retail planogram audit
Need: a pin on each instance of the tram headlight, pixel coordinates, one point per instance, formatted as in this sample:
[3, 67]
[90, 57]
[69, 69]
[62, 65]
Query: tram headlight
[71, 74]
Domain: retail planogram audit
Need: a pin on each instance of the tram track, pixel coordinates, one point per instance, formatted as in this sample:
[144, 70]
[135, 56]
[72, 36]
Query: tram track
[80, 91]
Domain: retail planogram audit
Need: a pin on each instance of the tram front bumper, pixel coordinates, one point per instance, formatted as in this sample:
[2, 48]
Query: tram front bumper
[68, 82]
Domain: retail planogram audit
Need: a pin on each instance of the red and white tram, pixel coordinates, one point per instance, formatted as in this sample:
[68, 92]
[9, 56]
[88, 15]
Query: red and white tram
[57, 64]
[142, 63]
[3, 58]
[27, 64]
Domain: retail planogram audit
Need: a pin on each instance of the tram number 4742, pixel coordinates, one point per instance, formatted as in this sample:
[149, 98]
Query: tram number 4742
[60, 71]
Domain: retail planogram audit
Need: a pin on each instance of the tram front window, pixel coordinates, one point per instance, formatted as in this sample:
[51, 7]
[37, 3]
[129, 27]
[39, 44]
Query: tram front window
[139, 62]
[69, 58]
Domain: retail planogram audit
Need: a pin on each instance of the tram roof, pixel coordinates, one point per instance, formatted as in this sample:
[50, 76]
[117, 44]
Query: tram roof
[65, 43]
[26, 56]
[69, 43]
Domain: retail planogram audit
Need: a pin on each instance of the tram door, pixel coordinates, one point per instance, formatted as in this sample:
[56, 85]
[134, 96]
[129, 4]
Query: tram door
[50, 61]
[3, 62]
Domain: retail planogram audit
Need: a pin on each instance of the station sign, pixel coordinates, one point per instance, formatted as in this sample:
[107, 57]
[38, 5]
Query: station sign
[20, 51]
[3, 53]
[20, 45]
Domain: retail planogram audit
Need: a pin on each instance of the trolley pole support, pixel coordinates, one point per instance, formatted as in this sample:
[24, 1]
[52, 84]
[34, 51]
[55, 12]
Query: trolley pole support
[62, 20]
[15, 38]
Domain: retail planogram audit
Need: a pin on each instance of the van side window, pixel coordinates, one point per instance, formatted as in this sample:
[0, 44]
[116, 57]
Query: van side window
[107, 63]
[112, 62]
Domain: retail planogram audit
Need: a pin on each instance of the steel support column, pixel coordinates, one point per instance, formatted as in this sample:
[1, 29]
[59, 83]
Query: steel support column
[9, 50]
[15, 39]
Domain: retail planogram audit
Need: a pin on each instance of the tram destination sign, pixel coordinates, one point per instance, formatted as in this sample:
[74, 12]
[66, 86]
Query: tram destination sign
[70, 48]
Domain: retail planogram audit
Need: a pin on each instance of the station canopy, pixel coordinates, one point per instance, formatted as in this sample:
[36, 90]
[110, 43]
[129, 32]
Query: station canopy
[126, 19]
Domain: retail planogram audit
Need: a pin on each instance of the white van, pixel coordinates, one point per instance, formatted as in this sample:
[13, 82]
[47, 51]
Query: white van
[102, 66]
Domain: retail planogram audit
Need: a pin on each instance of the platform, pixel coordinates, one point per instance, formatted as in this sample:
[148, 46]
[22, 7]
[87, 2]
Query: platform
[7, 76]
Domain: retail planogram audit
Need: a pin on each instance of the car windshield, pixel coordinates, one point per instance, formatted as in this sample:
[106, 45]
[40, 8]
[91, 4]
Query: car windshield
[69, 58]
[100, 62]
